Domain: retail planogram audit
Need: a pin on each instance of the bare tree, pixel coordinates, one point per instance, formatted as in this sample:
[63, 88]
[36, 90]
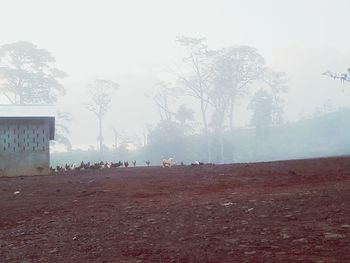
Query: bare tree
[343, 77]
[101, 91]
[196, 82]
[164, 92]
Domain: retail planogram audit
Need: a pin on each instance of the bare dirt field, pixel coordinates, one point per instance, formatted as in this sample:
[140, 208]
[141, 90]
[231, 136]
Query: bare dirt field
[290, 211]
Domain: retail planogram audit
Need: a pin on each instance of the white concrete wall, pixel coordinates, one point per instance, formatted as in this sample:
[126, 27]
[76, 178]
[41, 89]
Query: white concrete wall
[24, 147]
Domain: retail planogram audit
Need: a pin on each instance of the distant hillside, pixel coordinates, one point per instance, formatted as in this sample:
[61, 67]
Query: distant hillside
[326, 135]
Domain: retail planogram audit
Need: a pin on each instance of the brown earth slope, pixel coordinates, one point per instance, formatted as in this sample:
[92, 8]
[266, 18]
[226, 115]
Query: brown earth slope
[291, 211]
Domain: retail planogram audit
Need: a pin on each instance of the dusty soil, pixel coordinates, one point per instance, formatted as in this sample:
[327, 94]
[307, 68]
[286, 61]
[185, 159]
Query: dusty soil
[293, 211]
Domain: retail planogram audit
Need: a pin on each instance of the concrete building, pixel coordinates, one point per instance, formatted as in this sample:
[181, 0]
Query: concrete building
[25, 134]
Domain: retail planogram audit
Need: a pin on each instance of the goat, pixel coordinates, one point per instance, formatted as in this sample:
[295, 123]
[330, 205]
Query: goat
[168, 162]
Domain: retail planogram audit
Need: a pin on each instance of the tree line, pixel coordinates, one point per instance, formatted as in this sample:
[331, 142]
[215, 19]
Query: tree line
[216, 78]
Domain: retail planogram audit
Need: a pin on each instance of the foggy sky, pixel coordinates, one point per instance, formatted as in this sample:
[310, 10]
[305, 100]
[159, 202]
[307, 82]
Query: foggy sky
[133, 43]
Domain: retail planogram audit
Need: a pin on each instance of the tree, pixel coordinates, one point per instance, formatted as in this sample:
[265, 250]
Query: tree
[28, 75]
[343, 77]
[166, 140]
[163, 94]
[184, 116]
[236, 68]
[278, 84]
[234, 71]
[262, 107]
[196, 82]
[101, 91]
[220, 102]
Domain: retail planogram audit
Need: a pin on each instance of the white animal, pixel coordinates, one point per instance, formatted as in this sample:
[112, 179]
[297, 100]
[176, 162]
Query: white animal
[168, 162]
[196, 163]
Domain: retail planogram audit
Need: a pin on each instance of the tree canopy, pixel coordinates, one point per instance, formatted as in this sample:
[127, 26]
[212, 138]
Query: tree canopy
[27, 74]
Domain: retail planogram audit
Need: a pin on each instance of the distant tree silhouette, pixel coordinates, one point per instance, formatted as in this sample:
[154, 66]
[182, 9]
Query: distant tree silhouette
[278, 84]
[196, 81]
[343, 77]
[101, 95]
[236, 69]
[28, 75]
[262, 107]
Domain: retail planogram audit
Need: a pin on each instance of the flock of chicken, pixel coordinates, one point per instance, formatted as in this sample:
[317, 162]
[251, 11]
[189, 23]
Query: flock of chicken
[92, 166]
[107, 165]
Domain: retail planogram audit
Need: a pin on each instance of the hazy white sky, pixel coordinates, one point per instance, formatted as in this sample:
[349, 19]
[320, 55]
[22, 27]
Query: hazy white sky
[133, 41]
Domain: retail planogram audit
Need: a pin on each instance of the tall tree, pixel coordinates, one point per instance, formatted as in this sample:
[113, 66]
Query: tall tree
[220, 102]
[100, 91]
[236, 68]
[196, 82]
[28, 75]
[278, 84]
[262, 106]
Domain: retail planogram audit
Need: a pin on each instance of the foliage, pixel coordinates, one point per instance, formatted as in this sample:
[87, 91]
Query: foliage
[166, 140]
[278, 84]
[184, 116]
[262, 107]
[28, 74]
[28, 77]
[236, 68]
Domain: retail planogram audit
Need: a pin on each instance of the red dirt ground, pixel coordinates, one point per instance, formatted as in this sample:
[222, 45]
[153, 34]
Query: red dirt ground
[290, 211]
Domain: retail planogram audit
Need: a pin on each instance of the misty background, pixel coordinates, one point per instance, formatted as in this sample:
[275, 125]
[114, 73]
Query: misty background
[135, 45]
